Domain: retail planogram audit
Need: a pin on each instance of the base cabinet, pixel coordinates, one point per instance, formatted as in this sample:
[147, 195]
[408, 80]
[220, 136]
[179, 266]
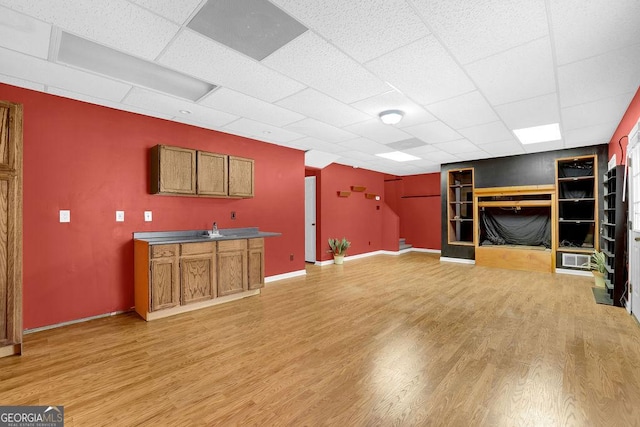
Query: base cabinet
[232, 267]
[175, 278]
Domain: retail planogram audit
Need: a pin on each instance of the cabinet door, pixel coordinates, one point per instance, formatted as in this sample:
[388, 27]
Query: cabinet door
[240, 177]
[256, 263]
[174, 169]
[164, 283]
[197, 278]
[232, 272]
[212, 174]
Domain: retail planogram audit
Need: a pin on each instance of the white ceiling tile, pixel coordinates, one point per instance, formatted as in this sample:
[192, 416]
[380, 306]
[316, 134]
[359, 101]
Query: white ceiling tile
[252, 108]
[313, 61]
[262, 131]
[364, 29]
[487, 133]
[359, 155]
[38, 70]
[440, 156]
[309, 143]
[201, 57]
[365, 145]
[355, 163]
[474, 30]
[422, 152]
[463, 111]
[116, 23]
[537, 111]
[393, 100]
[24, 34]
[457, 147]
[604, 111]
[319, 159]
[520, 73]
[405, 168]
[544, 146]
[583, 29]
[320, 130]
[176, 11]
[319, 106]
[105, 103]
[588, 135]
[433, 133]
[165, 104]
[377, 131]
[473, 155]
[603, 76]
[505, 148]
[423, 70]
[15, 81]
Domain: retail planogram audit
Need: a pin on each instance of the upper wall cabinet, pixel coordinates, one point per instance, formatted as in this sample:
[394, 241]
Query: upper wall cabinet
[173, 170]
[240, 177]
[213, 176]
[184, 171]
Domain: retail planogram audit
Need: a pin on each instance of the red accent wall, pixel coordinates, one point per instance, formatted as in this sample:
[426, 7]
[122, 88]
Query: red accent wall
[416, 200]
[353, 217]
[94, 160]
[629, 120]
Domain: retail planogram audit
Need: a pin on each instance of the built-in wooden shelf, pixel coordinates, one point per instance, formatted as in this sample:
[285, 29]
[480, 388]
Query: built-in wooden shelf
[358, 188]
[370, 195]
[344, 193]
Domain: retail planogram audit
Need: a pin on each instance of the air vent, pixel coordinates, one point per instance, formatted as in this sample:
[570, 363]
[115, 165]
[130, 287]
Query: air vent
[575, 261]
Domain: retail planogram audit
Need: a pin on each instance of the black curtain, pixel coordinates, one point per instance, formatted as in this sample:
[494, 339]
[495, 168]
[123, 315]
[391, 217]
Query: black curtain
[508, 226]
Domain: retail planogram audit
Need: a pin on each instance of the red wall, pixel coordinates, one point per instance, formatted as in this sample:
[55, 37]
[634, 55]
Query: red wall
[416, 200]
[353, 217]
[94, 160]
[629, 120]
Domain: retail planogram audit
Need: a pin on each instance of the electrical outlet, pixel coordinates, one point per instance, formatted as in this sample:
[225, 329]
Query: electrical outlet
[291, 257]
[65, 216]
[233, 214]
[119, 216]
[148, 216]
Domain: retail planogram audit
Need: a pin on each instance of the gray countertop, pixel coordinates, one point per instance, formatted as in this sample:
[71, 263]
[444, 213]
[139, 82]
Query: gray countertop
[190, 236]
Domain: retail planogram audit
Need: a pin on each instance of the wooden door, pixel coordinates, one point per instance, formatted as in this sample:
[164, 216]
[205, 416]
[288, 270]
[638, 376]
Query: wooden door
[256, 263]
[197, 278]
[164, 283]
[212, 174]
[10, 228]
[240, 177]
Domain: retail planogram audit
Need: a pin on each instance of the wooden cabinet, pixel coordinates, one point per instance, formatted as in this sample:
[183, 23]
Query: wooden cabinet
[164, 281]
[173, 170]
[212, 174]
[10, 228]
[614, 234]
[232, 267]
[197, 272]
[240, 177]
[460, 207]
[256, 263]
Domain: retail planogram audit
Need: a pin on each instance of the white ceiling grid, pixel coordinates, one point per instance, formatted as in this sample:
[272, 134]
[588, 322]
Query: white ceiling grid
[464, 73]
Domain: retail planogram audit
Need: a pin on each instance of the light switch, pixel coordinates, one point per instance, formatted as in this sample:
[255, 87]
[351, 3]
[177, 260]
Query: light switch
[65, 216]
[147, 216]
[119, 216]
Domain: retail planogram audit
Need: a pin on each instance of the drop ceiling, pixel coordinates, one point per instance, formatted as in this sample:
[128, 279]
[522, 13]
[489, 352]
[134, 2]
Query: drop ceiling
[314, 75]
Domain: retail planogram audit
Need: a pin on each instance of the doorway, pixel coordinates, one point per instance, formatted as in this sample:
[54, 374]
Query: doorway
[310, 219]
[634, 216]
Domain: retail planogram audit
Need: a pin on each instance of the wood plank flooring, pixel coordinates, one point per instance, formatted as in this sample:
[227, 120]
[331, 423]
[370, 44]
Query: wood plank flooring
[386, 340]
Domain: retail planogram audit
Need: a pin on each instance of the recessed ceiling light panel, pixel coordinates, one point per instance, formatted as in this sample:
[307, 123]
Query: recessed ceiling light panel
[398, 156]
[536, 134]
[100, 59]
[256, 28]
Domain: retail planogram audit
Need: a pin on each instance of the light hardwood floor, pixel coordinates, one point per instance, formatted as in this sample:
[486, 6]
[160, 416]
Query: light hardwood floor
[385, 340]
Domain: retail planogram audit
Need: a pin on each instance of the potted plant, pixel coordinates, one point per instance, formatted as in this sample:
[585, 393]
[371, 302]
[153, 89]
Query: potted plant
[339, 249]
[597, 264]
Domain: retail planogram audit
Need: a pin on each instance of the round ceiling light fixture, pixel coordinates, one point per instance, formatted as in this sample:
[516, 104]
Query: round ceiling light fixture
[391, 117]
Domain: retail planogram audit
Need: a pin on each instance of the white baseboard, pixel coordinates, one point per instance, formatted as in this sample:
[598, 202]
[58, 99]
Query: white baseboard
[429, 251]
[71, 322]
[379, 252]
[574, 272]
[283, 276]
[458, 260]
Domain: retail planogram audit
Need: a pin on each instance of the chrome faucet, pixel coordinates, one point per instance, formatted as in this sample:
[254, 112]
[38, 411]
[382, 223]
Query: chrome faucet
[215, 227]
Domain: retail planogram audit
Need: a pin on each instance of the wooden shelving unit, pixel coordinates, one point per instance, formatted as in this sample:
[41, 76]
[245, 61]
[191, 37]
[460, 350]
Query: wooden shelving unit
[614, 237]
[460, 207]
